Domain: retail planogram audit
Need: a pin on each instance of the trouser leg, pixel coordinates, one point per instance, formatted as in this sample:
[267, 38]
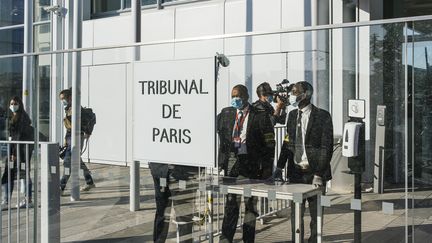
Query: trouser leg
[162, 217]
[66, 169]
[229, 223]
[87, 175]
[250, 219]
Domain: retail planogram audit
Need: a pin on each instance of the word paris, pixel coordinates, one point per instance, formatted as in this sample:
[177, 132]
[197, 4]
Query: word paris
[172, 111]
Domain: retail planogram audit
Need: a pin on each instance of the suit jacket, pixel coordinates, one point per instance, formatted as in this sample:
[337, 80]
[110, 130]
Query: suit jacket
[260, 142]
[318, 143]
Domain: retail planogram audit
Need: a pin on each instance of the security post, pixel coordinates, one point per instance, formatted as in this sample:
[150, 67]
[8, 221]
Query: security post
[354, 149]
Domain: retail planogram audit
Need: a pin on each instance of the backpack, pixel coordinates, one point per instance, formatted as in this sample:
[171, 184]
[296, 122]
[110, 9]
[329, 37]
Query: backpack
[88, 120]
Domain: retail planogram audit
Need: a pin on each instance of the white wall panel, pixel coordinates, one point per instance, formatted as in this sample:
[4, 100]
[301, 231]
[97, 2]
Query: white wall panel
[199, 20]
[107, 86]
[158, 25]
[297, 66]
[253, 45]
[235, 16]
[267, 14]
[198, 49]
[87, 41]
[157, 52]
[112, 31]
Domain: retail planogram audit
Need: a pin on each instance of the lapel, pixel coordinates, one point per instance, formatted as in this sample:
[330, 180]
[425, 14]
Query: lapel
[250, 121]
[310, 123]
[231, 120]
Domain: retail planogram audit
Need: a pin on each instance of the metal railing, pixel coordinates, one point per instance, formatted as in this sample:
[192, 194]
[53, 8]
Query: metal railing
[13, 167]
[24, 224]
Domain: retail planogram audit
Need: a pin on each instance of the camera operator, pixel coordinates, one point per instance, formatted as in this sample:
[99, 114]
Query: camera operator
[265, 98]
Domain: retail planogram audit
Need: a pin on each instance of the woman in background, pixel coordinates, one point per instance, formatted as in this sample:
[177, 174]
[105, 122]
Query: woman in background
[20, 129]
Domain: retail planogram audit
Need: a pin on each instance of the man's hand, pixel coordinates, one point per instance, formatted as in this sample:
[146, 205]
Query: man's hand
[317, 181]
[279, 105]
[13, 158]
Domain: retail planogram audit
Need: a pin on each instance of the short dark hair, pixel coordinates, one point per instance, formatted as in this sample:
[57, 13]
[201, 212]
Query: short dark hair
[264, 89]
[243, 89]
[66, 92]
[307, 88]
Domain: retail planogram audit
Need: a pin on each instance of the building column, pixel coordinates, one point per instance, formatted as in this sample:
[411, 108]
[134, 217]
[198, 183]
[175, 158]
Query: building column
[27, 60]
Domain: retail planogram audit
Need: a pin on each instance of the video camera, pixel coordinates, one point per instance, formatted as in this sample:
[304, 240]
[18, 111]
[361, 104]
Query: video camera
[282, 91]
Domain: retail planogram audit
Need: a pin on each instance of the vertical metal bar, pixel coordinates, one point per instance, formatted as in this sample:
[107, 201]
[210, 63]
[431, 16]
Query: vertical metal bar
[28, 48]
[406, 132]
[319, 219]
[18, 172]
[76, 101]
[218, 213]
[28, 189]
[134, 202]
[9, 194]
[1, 210]
[35, 116]
[298, 229]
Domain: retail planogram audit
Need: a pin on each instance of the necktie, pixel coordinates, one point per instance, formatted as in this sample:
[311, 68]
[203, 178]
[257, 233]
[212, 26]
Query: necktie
[299, 140]
[238, 128]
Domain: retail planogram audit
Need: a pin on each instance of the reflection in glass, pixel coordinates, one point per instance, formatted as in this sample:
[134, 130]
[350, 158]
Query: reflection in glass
[11, 41]
[39, 13]
[10, 85]
[101, 6]
[42, 38]
[11, 12]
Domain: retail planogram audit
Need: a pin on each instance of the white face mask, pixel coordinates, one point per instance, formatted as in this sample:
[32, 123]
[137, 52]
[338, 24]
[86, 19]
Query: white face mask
[14, 108]
[293, 100]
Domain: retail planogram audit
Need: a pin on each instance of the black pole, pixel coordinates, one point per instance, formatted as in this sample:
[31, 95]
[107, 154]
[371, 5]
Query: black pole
[357, 213]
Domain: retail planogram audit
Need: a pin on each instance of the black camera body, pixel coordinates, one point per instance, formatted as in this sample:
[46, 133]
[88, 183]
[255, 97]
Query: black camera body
[282, 91]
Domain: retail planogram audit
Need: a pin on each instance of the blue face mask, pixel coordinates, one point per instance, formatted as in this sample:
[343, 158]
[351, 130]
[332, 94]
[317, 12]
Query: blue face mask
[270, 98]
[237, 102]
[64, 103]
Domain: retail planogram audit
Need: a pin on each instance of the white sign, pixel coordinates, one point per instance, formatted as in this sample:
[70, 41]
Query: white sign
[174, 112]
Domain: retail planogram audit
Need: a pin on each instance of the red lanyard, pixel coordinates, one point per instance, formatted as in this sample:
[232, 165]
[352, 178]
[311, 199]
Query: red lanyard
[239, 125]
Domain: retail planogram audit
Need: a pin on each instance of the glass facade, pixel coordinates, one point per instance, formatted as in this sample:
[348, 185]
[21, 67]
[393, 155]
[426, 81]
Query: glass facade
[11, 12]
[387, 65]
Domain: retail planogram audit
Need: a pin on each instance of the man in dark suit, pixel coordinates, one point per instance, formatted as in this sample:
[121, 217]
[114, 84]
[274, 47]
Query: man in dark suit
[308, 148]
[246, 151]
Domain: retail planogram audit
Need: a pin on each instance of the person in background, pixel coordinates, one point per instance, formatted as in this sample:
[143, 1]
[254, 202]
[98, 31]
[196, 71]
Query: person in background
[308, 149]
[20, 129]
[66, 99]
[246, 151]
[265, 98]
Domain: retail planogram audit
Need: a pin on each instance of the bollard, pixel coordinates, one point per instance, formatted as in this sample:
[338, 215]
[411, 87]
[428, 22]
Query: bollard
[134, 186]
[50, 193]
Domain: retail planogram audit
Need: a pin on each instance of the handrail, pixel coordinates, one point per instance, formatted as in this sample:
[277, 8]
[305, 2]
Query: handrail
[228, 36]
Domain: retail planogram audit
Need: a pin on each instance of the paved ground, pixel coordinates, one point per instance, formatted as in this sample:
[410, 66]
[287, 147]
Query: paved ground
[103, 215]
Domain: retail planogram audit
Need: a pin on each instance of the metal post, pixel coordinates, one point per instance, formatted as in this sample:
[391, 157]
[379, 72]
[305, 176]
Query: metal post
[76, 100]
[50, 193]
[136, 27]
[28, 48]
[56, 73]
[134, 168]
[35, 116]
[134, 186]
[68, 39]
[357, 213]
